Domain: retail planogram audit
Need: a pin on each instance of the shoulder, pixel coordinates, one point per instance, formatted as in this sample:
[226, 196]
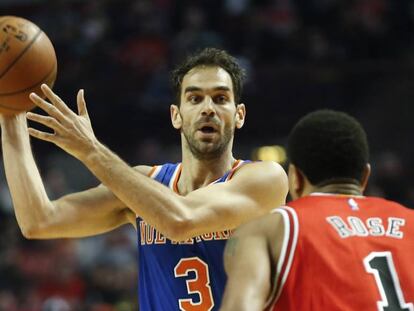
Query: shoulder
[264, 182]
[264, 170]
[262, 165]
[385, 206]
[270, 228]
[144, 169]
[266, 226]
[155, 169]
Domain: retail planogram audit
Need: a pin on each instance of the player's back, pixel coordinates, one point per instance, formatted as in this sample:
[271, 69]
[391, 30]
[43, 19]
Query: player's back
[347, 253]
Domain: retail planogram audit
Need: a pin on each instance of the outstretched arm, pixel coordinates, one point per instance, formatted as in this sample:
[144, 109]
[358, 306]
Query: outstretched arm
[250, 261]
[81, 214]
[253, 191]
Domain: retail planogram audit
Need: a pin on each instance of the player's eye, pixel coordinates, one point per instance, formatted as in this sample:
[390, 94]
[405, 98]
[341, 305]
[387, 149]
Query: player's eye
[220, 99]
[194, 99]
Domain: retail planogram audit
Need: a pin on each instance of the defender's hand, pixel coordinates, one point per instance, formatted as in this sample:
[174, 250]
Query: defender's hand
[72, 132]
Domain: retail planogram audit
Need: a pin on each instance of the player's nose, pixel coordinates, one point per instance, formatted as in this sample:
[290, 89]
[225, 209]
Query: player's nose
[208, 107]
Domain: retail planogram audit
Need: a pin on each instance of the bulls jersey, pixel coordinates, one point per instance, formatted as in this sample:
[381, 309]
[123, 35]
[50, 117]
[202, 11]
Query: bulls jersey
[187, 275]
[345, 253]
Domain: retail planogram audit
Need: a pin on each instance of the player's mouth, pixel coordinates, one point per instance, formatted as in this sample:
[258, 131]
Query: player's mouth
[208, 131]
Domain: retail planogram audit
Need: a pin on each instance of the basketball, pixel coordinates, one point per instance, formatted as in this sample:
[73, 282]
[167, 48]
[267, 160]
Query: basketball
[27, 59]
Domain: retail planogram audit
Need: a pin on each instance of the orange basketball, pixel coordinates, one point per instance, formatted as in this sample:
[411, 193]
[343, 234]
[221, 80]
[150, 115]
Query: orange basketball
[27, 59]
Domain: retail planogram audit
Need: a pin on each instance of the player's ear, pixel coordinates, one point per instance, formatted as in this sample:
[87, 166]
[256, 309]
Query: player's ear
[176, 117]
[240, 115]
[296, 181]
[365, 176]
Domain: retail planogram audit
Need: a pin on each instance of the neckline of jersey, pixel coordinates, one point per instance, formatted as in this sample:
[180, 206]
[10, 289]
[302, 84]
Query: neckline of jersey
[337, 195]
[179, 168]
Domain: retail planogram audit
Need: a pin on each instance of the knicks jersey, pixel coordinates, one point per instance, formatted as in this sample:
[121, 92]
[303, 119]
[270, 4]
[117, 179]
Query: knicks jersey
[345, 253]
[187, 275]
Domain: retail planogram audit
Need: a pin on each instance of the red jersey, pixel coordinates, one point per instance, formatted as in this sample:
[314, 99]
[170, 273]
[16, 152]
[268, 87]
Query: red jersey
[345, 253]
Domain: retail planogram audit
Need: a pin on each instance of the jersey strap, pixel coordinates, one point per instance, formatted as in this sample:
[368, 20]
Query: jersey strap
[229, 174]
[169, 174]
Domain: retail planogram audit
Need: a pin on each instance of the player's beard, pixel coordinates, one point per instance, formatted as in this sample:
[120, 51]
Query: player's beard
[204, 151]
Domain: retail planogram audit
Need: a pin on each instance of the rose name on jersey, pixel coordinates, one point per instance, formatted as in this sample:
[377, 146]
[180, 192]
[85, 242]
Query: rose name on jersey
[374, 226]
[150, 236]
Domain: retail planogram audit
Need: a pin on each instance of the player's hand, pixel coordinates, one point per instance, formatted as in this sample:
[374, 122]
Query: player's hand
[72, 132]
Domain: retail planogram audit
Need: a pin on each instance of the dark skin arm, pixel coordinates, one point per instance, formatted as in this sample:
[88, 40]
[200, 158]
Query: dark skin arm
[250, 257]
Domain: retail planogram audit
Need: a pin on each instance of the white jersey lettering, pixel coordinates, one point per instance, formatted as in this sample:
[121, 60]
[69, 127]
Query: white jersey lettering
[373, 226]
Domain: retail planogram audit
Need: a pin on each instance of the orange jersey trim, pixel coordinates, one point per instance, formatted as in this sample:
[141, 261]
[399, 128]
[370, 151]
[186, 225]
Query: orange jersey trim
[236, 166]
[151, 172]
[177, 178]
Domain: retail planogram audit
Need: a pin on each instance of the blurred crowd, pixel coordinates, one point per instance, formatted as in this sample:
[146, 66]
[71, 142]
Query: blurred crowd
[352, 55]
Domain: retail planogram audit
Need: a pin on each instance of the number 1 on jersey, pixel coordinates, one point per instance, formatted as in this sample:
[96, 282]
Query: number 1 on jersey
[199, 285]
[381, 265]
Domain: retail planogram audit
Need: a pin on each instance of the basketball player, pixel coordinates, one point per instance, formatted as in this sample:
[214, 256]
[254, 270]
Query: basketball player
[183, 212]
[331, 248]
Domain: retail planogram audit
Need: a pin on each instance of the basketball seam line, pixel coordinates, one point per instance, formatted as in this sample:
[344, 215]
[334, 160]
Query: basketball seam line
[9, 108]
[17, 110]
[32, 86]
[5, 20]
[22, 53]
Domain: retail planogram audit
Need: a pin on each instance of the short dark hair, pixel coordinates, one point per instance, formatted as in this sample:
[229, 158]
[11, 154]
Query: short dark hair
[329, 146]
[210, 57]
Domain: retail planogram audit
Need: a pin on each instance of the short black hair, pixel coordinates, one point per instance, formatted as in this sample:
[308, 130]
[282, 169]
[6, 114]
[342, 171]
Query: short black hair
[329, 146]
[211, 57]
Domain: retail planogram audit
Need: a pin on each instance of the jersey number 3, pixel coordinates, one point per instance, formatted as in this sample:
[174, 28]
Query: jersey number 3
[381, 265]
[200, 284]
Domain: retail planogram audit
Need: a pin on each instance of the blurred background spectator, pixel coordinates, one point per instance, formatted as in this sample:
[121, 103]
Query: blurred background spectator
[300, 55]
